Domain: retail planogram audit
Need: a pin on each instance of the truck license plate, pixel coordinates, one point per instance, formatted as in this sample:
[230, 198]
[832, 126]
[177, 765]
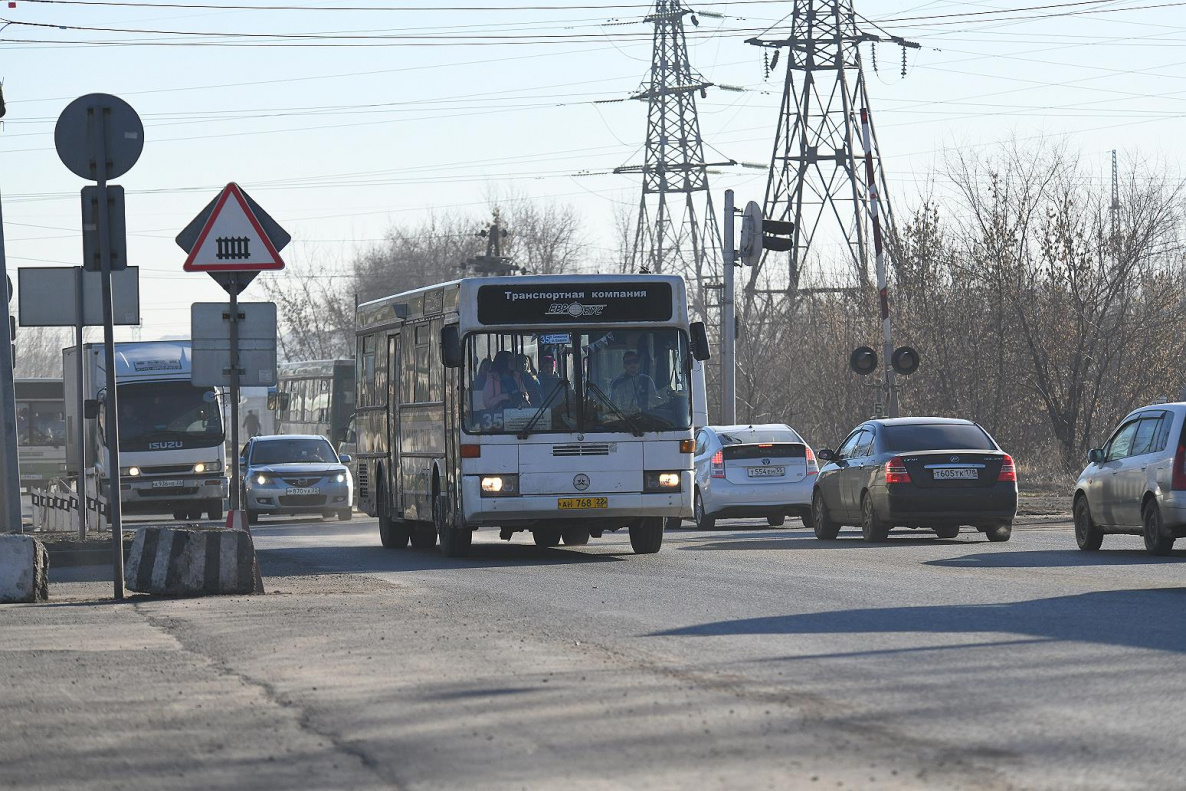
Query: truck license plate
[565, 503]
[960, 474]
[303, 490]
[167, 484]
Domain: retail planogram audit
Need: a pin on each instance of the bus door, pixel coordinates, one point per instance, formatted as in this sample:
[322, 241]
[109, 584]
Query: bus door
[394, 502]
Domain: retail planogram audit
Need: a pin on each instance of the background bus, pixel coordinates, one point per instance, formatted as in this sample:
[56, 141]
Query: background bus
[314, 397]
[41, 430]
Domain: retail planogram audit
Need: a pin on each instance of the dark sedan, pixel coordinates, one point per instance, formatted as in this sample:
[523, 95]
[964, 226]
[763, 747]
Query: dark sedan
[929, 472]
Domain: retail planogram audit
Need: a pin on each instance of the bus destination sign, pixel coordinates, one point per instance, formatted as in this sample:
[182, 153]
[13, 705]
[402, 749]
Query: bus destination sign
[575, 304]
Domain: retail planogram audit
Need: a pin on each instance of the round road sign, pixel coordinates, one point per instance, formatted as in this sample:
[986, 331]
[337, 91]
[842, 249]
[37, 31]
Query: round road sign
[99, 128]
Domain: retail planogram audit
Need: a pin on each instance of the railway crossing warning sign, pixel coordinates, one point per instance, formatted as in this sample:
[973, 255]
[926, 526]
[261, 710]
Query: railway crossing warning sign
[232, 238]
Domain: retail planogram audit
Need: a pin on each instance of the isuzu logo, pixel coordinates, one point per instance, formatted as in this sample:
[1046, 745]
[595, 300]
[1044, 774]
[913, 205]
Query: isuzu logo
[169, 445]
[580, 482]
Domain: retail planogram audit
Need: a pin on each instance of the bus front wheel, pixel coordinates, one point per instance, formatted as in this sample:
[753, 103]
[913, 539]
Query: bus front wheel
[394, 535]
[646, 535]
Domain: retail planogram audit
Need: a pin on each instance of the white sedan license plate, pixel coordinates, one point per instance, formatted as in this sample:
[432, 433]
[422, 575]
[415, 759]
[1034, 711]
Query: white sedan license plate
[303, 490]
[167, 484]
[956, 474]
[767, 472]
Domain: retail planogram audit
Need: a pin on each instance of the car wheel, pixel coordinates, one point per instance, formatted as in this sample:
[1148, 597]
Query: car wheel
[646, 535]
[546, 536]
[776, 521]
[215, 512]
[455, 539]
[345, 515]
[575, 536]
[393, 535]
[180, 516]
[1158, 540]
[1000, 532]
[873, 529]
[194, 516]
[252, 517]
[947, 531]
[703, 520]
[1088, 535]
[823, 525]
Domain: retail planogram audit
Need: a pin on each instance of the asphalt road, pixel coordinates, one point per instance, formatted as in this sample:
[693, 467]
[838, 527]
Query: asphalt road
[744, 657]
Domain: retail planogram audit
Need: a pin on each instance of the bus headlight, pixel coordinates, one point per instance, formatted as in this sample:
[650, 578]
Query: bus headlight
[130, 472]
[500, 485]
[661, 482]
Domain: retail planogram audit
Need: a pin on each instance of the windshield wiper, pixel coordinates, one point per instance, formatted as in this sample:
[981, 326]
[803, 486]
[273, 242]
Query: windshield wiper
[634, 428]
[526, 432]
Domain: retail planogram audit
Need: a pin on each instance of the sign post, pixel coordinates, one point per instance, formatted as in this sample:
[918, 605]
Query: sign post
[233, 240]
[10, 485]
[100, 137]
[40, 290]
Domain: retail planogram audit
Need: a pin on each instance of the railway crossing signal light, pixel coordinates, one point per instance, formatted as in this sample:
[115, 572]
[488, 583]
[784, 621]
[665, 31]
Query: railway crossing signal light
[863, 361]
[904, 360]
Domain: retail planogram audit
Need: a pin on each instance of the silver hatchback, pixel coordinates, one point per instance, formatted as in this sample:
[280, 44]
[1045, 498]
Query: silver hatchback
[1136, 483]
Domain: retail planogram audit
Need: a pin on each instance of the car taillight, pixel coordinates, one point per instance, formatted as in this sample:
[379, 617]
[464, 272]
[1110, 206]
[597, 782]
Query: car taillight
[812, 464]
[1008, 471]
[718, 464]
[895, 471]
[1179, 477]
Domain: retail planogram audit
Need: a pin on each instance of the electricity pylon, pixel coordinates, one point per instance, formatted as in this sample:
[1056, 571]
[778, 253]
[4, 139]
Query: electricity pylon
[677, 230]
[817, 172]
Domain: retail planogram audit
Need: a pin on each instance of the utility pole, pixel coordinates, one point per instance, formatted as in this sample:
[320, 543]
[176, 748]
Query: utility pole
[816, 180]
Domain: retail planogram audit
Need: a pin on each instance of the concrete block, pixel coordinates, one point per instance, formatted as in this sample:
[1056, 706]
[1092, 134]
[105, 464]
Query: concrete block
[190, 561]
[24, 569]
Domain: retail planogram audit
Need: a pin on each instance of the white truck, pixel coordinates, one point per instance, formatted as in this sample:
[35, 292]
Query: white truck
[171, 435]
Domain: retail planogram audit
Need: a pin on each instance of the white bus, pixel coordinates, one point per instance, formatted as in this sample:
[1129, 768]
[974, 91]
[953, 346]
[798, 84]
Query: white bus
[558, 404]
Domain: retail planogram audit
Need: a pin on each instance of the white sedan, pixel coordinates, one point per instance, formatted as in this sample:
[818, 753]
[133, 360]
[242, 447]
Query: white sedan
[752, 471]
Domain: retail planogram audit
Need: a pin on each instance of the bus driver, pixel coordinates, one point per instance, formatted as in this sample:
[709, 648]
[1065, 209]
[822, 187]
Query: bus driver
[633, 391]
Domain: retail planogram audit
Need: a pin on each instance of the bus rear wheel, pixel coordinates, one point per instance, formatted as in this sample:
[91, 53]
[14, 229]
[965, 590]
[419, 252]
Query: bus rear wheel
[455, 539]
[646, 535]
[393, 535]
[546, 536]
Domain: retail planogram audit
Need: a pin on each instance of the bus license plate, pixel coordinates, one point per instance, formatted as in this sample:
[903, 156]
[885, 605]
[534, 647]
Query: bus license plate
[582, 502]
[961, 474]
[767, 472]
[167, 484]
[303, 490]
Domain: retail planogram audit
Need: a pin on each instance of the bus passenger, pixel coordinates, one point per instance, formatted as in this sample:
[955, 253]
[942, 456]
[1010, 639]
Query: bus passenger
[478, 391]
[504, 387]
[527, 378]
[633, 391]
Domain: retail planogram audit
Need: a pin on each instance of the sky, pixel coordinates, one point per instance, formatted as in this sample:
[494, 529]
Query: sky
[344, 118]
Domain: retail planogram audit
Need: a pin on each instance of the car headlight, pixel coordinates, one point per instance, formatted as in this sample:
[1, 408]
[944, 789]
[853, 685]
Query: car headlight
[656, 481]
[500, 485]
[130, 472]
[341, 477]
[208, 466]
[261, 479]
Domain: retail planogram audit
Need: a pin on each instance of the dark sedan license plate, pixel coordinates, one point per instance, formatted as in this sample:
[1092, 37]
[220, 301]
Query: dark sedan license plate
[303, 490]
[956, 474]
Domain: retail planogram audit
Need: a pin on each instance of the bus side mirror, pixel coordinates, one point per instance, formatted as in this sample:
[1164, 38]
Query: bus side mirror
[451, 346]
[699, 335]
[90, 408]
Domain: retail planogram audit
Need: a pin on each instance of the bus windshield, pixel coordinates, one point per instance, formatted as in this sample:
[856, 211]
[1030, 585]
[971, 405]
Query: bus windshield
[168, 416]
[40, 423]
[577, 380]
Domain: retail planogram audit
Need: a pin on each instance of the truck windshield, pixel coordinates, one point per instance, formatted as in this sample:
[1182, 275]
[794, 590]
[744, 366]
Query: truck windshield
[620, 380]
[168, 416]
